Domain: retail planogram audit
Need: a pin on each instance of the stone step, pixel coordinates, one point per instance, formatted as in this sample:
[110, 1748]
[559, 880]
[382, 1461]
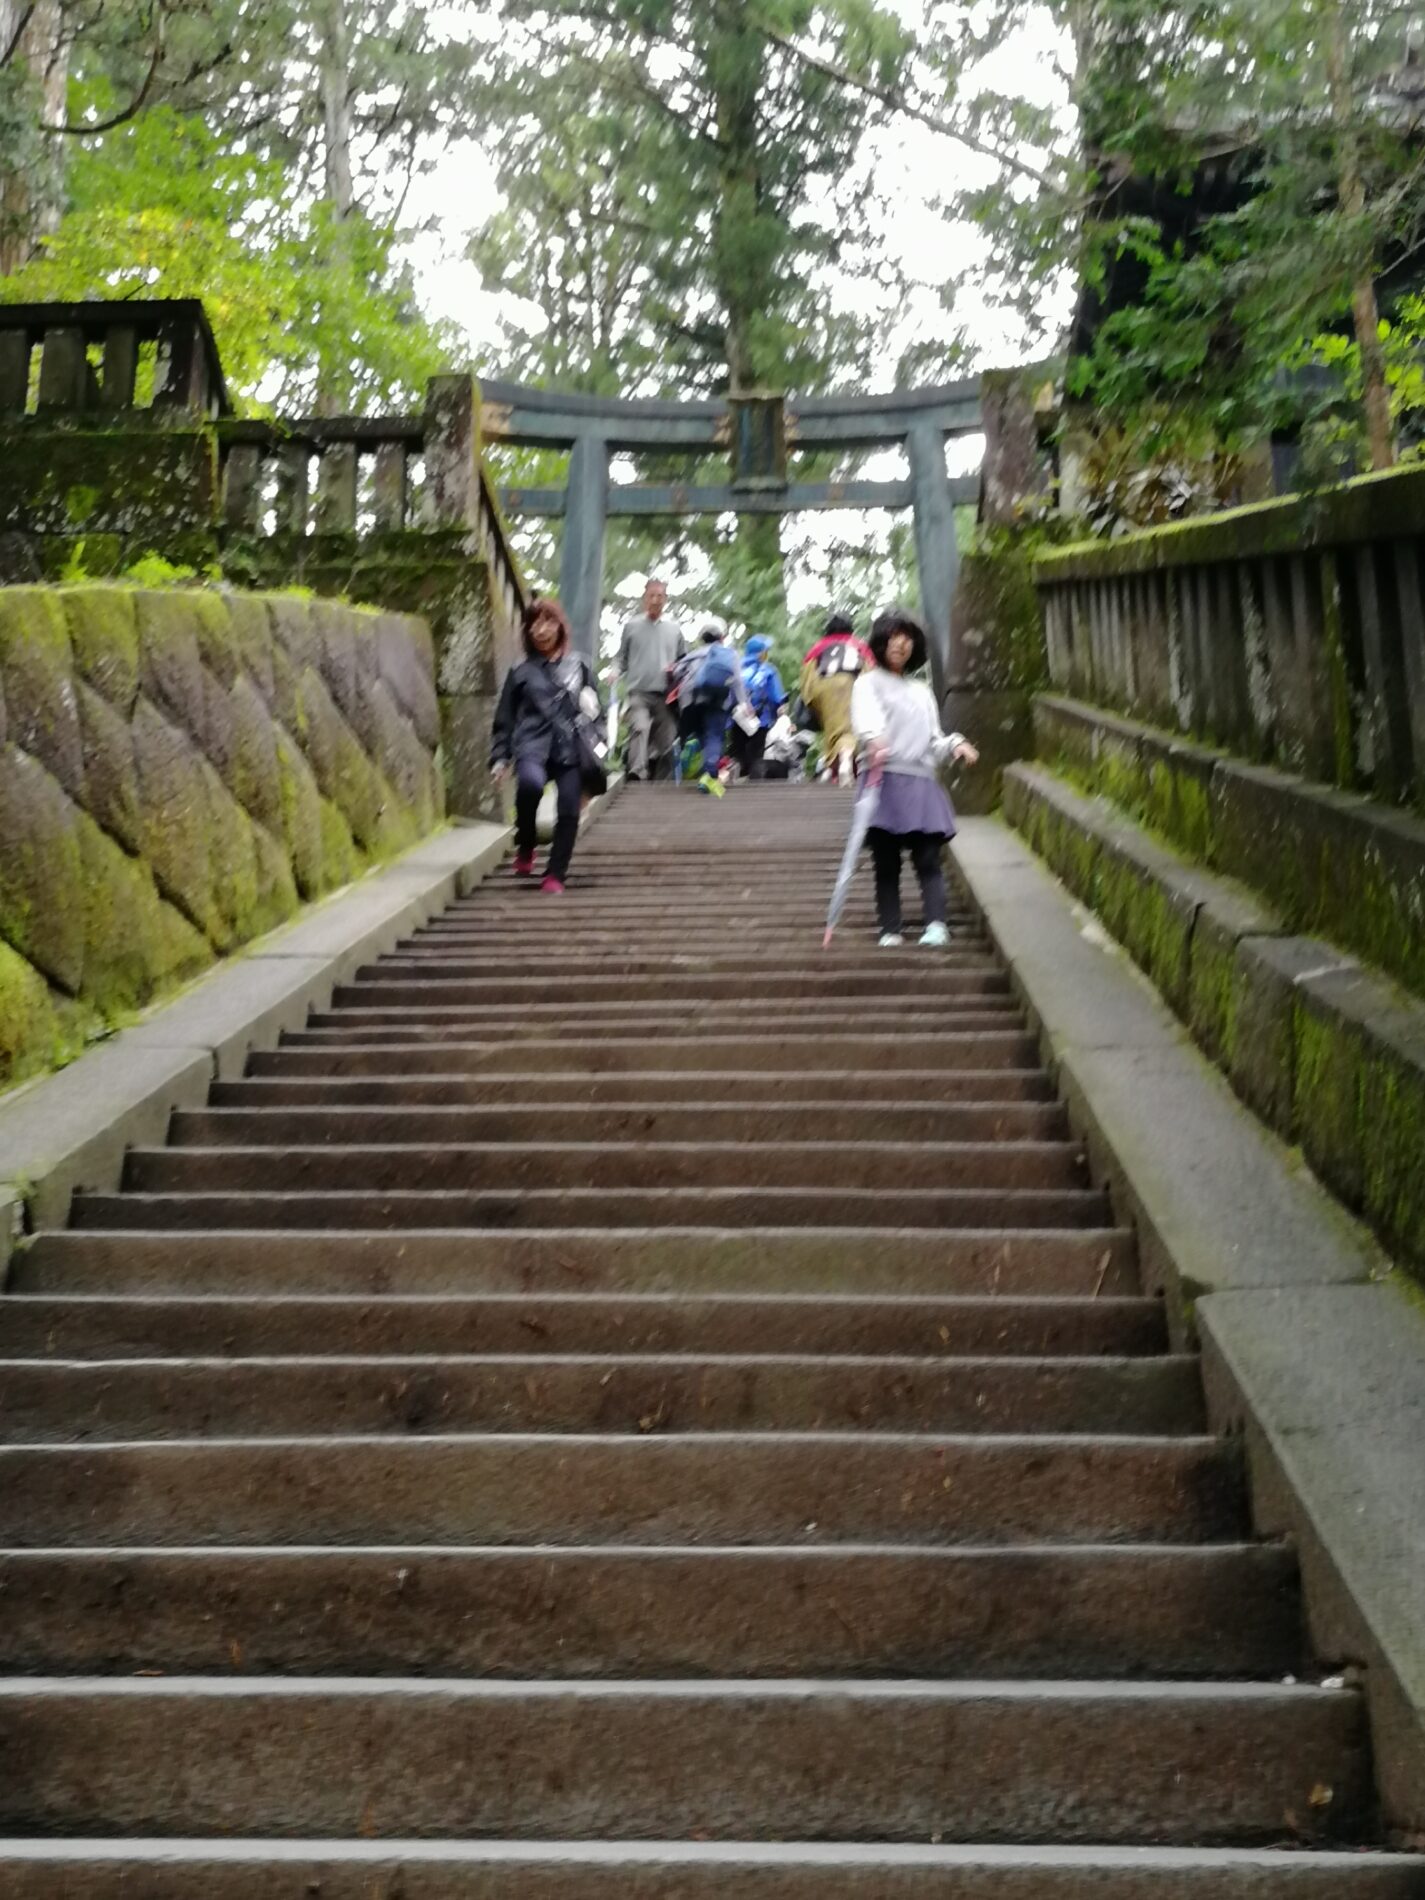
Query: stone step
[671, 1260]
[47, 1402]
[979, 1762]
[469, 1023]
[41, 1326]
[683, 1870]
[739, 1488]
[863, 1094]
[434, 971]
[786, 1056]
[452, 987]
[579, 1166]
[245, 1114]
[507, 1209]
[1096, 1611]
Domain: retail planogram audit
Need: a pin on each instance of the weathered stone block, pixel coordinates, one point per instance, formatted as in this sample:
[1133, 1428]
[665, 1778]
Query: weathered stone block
[111, 781]
[341, 861]
[175, 809]
[41, 872]
[30, 1032]
[1331, 862]
[126, 954]
[342, 770]
[301, 816]
[407, 665]
[170, 665]
[1262, 1059]
[250, 768]
[37, 674]
[104, 633]
[1215, 978]
[1360, 1098]
[295, 632]
[253, 639]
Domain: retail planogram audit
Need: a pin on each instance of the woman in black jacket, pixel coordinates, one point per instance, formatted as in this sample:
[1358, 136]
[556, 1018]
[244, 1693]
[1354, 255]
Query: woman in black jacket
[535, 735]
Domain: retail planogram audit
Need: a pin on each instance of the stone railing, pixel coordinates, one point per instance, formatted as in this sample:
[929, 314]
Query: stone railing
[98, 360]
[178, 771]
[1292, 632]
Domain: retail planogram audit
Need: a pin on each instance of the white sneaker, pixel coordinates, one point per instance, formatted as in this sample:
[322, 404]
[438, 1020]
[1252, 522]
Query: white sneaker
[935, 936]
[891, 941]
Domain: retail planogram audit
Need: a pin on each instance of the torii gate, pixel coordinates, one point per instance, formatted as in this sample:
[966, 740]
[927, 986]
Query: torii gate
[758, 432]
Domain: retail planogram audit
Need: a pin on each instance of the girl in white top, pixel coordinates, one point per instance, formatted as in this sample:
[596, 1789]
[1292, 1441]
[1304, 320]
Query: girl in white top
[897, 724]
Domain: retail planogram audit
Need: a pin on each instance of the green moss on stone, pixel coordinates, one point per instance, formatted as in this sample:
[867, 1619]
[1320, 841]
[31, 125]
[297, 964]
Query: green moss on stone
[341, 861]
[32, 1038]
[104, 635]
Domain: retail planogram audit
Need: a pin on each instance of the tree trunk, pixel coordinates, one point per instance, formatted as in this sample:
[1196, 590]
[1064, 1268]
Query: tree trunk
[31, 190]
[737, 52]
[1352, 189]
[334, 380]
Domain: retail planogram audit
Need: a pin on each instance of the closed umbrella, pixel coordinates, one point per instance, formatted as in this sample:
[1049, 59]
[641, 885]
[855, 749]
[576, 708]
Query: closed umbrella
[863, 816]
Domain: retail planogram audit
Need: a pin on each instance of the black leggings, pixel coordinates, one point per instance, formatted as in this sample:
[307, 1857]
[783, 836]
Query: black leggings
[886, 848]
[531, 777]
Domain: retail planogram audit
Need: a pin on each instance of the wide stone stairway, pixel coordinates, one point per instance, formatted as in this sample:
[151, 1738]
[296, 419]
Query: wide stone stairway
[629, 1404]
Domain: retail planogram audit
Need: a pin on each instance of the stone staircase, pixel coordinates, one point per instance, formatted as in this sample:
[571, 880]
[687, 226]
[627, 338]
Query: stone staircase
[630, 1405]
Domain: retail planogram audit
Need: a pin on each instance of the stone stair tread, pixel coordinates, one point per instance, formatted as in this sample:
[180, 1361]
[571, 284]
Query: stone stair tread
[848, 1758]
[80, 1869]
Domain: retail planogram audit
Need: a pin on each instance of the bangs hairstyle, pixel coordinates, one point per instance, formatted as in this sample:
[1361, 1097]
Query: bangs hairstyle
[542, 604]
[897, 620]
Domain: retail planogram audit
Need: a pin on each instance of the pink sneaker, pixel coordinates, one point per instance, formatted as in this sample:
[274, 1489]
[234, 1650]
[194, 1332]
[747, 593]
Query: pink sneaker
[524, 864]
[553, 886]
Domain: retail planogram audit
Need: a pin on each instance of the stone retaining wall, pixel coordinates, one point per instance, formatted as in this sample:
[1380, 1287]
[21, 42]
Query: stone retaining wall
[1327, 1052]
[179, 770]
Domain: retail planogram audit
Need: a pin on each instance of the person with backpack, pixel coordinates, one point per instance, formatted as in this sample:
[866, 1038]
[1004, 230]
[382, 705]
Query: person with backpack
[766, 695]
[829, 672]
[897, 720]
[714, 685]
[547, 698]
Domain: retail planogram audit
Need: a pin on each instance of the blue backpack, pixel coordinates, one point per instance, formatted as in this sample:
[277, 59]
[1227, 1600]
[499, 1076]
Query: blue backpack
[714, 674]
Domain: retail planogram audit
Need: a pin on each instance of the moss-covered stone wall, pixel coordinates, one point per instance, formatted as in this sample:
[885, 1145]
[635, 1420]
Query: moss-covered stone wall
[179, 770]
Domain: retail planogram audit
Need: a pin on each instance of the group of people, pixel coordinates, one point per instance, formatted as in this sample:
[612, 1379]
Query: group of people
[707, 697]
[874, 717]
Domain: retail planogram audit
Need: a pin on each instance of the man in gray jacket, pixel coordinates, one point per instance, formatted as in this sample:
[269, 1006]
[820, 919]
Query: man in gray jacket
[649, 647]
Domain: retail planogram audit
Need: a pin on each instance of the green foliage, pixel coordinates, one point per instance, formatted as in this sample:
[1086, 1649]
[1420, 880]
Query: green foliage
[227, 180]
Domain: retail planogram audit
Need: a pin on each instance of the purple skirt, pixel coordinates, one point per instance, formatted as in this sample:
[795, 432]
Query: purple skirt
[913, 805]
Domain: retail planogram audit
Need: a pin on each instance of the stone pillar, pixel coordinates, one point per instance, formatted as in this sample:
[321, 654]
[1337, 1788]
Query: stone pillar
[581, 567]
[1015, 474]
[936, 554]
[459, 599]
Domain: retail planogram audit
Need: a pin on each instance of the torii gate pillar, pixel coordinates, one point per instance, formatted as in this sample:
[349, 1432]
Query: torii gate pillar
[581, 567]
[937, 554]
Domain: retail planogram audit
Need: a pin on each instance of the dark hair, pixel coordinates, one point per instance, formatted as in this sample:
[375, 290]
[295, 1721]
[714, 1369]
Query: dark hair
[841, 623]
[543, 604]
[897, 620]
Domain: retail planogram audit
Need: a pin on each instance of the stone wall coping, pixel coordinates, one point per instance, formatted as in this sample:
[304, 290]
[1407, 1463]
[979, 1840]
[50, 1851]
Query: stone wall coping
[1313, 1343]
[1380, 507]
[70, 1131]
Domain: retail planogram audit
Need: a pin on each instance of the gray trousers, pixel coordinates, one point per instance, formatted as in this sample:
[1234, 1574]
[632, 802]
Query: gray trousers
[652, 734]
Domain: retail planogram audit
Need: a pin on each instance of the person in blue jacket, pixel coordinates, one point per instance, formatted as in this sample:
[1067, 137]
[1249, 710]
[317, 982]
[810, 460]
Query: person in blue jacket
[713, 687]
[767, 696]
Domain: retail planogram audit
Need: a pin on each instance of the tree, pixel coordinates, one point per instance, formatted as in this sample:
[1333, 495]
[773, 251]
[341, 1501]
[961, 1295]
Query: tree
[258, 153]
[680, 187]
[1231, 176]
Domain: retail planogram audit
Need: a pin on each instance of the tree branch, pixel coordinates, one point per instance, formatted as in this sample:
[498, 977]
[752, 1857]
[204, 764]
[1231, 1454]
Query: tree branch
[896, 101]
[128, 112]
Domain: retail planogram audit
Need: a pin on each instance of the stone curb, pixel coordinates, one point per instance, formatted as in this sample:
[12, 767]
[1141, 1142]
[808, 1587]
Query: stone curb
[1328, 1052]
[71, 1131]
[1313, 1348]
